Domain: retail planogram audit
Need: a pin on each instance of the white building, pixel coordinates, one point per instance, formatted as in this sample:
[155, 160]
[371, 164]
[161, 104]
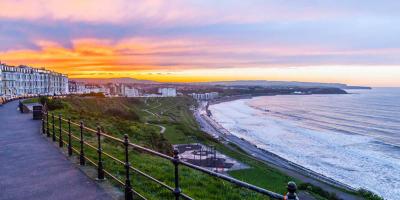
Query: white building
[204, 96]
[95, 89]
[92, 90]
[105, 90]
[76, 87]
[167, 92]
[130, 92]
[25, 81]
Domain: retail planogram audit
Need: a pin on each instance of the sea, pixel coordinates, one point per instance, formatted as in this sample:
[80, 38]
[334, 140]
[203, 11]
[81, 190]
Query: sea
[352, 138]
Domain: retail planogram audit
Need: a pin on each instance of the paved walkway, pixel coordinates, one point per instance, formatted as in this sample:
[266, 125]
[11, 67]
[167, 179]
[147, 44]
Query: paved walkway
[33, 168]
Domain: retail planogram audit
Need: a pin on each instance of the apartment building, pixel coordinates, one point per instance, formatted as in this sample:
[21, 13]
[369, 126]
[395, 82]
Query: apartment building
[131, 92]
[167, 92]
[76, 87]
[23, 80]
[204, 96]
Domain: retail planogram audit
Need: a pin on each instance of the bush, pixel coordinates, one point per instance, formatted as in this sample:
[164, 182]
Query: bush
[52, 104]
[368, 194]
[317, 190]
[123, 114]
[43, 100]
[55, 104]
[93, 94]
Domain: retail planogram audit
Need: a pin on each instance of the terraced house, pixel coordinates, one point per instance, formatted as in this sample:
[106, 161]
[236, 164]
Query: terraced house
[17, 81]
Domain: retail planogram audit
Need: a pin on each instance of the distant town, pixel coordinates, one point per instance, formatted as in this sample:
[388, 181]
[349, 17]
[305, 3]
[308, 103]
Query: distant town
[25, 81]
[138, 90]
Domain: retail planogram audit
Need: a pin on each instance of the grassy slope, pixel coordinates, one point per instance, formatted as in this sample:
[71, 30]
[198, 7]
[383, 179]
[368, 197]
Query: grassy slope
[193, 183]
[120, 116]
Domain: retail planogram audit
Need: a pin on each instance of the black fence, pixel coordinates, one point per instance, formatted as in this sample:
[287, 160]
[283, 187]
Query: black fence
[52, 126]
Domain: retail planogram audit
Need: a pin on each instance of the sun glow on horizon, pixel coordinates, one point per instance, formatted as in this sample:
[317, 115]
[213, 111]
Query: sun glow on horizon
[375, 76]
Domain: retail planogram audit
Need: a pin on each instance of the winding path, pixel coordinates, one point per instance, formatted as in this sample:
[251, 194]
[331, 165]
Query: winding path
[162, 128]
[33, 168]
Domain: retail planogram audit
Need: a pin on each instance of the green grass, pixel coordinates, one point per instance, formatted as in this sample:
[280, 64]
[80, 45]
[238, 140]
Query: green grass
[32, 100]
[176, 136]
[262, 177]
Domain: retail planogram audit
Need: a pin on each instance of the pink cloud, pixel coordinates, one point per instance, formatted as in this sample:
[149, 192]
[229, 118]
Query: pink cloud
[156, 12]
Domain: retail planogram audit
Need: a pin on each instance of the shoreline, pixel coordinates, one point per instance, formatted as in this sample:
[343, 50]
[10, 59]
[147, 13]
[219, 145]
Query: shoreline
[213, 128]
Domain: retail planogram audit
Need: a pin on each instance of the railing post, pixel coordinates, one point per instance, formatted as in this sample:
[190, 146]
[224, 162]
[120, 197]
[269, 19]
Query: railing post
[215, 157]
[82, 153]
[54, 130]
[60, 140]
[177, 190]
[48, 124]
[128, 187]
[100, 172]
[291, 195]
[43, 129]
[69, 138]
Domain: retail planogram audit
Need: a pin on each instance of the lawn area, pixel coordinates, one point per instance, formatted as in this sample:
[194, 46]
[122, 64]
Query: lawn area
[32, 100]
[175, 135]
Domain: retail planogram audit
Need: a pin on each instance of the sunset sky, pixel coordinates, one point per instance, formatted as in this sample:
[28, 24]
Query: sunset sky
[349, 41]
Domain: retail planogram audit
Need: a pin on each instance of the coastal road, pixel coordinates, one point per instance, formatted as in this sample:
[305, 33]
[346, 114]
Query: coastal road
[213, 128]
[33, 168]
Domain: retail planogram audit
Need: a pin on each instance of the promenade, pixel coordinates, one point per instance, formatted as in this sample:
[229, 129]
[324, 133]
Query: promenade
[33, 168]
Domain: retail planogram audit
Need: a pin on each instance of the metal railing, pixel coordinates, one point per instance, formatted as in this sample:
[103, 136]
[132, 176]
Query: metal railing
[50, 129]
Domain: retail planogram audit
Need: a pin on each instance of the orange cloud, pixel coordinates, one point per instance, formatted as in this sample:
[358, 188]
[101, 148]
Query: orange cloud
[168, 60]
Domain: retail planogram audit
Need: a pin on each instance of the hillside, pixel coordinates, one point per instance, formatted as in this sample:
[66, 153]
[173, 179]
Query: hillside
[119, 116]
